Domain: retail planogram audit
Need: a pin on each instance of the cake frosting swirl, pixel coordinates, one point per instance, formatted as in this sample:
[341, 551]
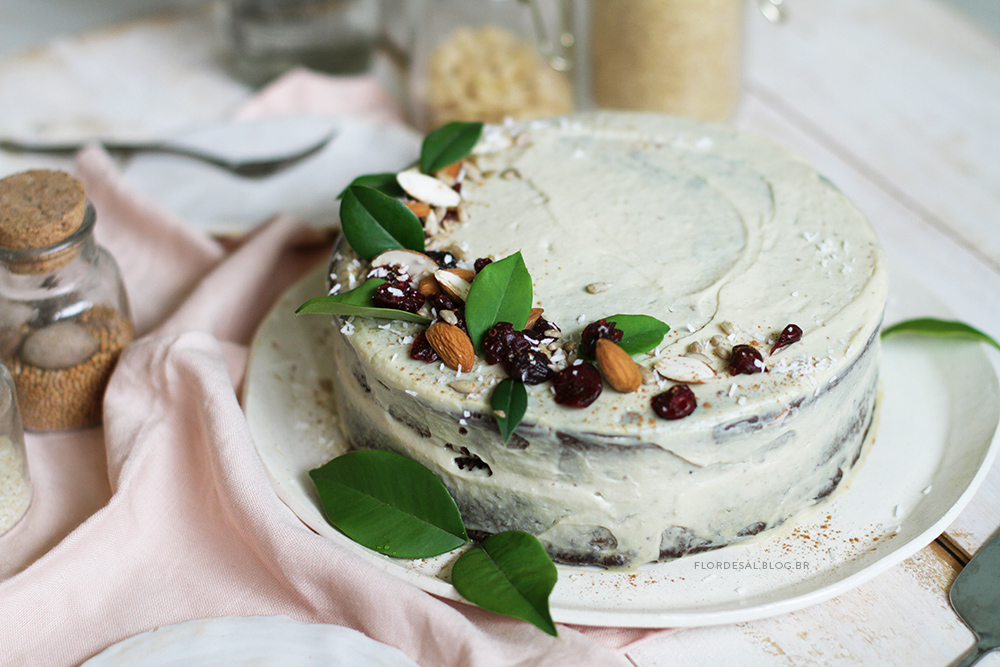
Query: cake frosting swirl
[725, 237]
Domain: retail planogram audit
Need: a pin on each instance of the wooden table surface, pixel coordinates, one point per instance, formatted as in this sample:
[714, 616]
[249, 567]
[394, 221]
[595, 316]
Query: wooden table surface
[896, 101]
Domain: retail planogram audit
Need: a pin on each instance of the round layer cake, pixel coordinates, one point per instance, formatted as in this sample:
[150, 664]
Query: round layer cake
[726, 238]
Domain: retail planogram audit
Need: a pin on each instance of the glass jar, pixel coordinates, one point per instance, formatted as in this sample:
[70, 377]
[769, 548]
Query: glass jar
[262, 39]
[487, 60]
[15, 484]
[675, 56]
[64, 314]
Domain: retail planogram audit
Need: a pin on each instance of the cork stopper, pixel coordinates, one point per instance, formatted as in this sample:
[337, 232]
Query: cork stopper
[40, 209]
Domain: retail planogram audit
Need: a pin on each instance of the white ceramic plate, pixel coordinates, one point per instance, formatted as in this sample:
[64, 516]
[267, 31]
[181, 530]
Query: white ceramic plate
[218, 202]
[250, 641]
[935, 443]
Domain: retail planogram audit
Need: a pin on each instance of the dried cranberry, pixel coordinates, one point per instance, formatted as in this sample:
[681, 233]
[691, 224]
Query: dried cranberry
[391, 274]
[543, 327]
[421, 350]
[444, 259]
[790, 334]
[528, 365]
[481, 263]
[675, 403]
[399, 296]
[442, 301]
[595, 330]
[500, 341]
[745, 360]
[577, 386]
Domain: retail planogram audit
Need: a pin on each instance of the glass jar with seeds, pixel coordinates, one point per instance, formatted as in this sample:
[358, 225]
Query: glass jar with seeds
[485, 60]
[64, 315]
[15, 484]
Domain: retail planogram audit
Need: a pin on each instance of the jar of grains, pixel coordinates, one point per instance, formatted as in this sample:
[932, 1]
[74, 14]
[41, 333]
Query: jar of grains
[486, 60]
[64, 315]
[15, 485]
[676, 56]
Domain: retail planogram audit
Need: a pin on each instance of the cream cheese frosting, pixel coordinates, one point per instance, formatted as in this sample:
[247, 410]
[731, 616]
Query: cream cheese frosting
[726, 238]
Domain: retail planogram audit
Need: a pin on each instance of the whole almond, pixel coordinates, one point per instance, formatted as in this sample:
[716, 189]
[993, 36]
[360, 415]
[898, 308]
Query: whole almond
[618, 368]
[418, 208]
[428, 286]
[452, 345]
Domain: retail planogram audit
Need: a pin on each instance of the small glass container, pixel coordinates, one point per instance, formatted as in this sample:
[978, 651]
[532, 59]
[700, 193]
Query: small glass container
[64, 314]
[681, 57]
[486, 60]
[262, 39]
[15, 484]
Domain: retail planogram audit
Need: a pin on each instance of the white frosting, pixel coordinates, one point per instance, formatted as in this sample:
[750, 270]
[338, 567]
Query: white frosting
[722, 236]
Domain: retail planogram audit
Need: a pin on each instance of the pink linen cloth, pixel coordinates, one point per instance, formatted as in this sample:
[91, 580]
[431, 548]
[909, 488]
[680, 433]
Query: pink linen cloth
[166, 513]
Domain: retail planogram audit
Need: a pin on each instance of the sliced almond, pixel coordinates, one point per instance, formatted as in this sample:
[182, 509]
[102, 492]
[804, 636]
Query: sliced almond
[453, 283]
[618, 368]
[685, 369]
[416, 264]
[418, 208]
[533, 317]
[427, 189]
[452, 345]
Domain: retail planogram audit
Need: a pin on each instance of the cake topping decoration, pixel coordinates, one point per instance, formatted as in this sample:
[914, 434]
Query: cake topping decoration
[685, 369]
[374, 222]
[578, 385]
[790, 334]
[676, 402]
[619, 369]
[745, 360]
[358, 301]
[452, 345]
[509, 402]
[448, 144]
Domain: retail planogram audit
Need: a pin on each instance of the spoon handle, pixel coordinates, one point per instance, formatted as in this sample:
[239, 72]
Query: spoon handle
[976, 653]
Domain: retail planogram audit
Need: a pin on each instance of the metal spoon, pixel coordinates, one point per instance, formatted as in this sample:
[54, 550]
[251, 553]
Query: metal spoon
[252, 168]
[975, 596]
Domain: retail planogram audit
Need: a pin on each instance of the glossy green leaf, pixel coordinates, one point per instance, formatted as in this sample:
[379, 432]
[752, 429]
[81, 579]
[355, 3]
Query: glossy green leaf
[374, 222]
[929, 326]
[641, 333]
[509, 402]
[510, 574]
[390, 504]
[384, 182]
[501, 292]
[358, 302]
[449, 143]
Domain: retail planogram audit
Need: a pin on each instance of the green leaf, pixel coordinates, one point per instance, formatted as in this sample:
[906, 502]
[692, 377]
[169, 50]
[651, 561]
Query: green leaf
[510, 574]
[374, 222]
[449, 143]
[389, 503]
[641, 333]
[384, 182]
[358, 302]
[510, 399]
[501, 292]
[930, 326]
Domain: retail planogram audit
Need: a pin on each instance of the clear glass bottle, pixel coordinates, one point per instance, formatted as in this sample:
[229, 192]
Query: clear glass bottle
[486, 60]
[64, 314]
[15, 483]
[262, 39]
